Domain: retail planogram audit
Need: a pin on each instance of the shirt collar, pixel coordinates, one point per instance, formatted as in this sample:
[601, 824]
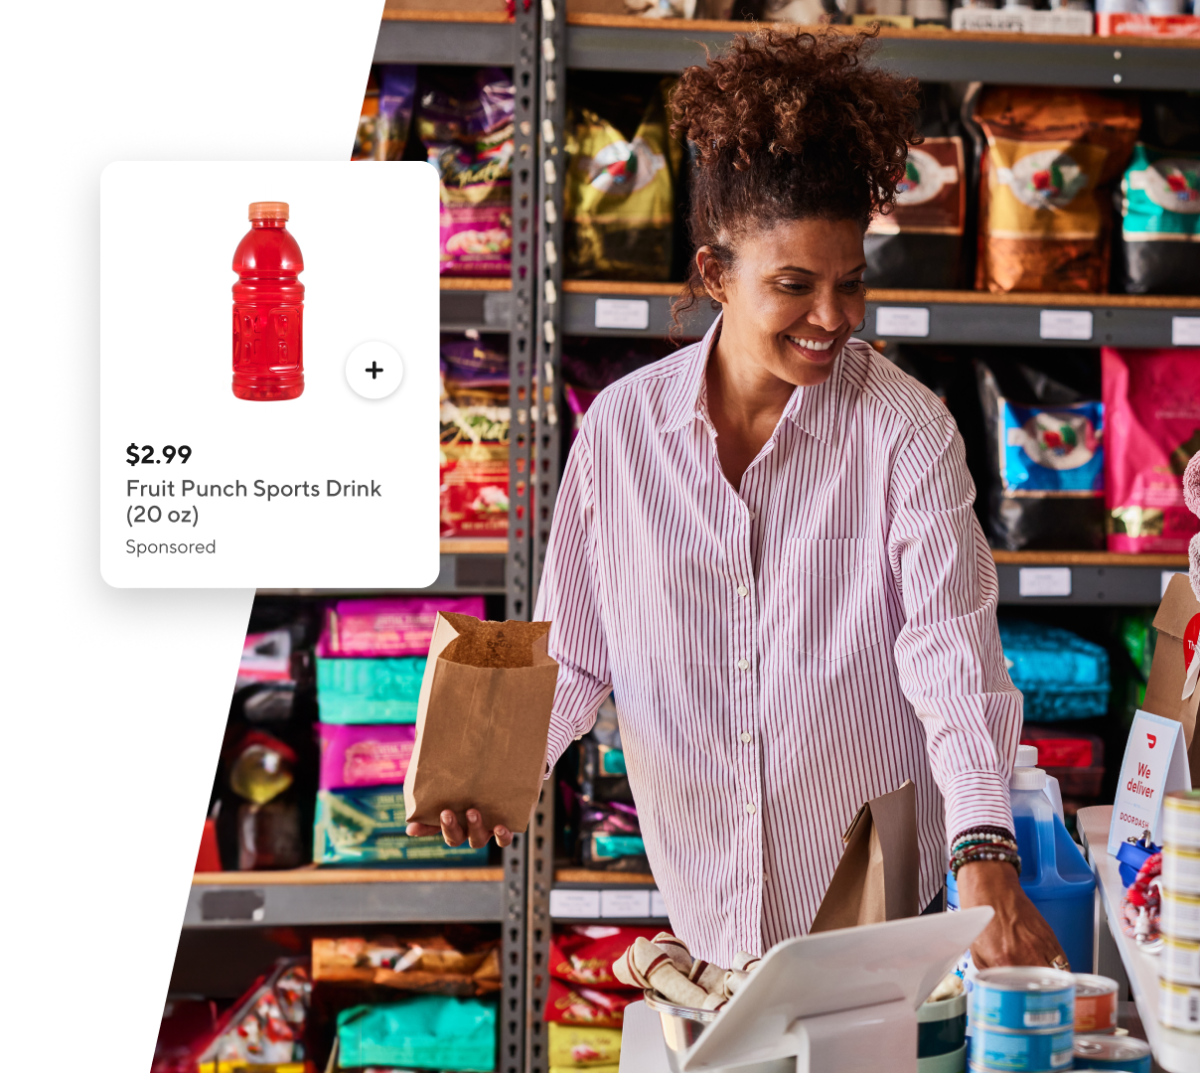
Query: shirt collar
[814, 409]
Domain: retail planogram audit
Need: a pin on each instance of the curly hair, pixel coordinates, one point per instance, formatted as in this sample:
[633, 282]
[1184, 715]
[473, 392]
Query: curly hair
[789, 126]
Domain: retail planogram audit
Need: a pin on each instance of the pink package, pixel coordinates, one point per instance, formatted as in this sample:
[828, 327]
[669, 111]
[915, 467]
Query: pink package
[1152, 428]
[396, 626]
[364, 755]
[476, 240]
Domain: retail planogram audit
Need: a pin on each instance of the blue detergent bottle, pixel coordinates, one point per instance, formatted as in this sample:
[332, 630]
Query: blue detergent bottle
[1054, 873]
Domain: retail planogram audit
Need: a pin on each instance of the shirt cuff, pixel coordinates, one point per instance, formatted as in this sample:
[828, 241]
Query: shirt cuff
[560, 736]
[976, 799]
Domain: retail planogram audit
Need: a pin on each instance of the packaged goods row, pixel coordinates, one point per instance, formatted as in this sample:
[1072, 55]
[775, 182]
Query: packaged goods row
[1013, 189]
[1144, 18]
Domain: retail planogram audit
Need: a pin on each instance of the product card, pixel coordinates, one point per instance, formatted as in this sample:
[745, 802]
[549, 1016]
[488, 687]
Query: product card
[1155, 764]
[269, 375]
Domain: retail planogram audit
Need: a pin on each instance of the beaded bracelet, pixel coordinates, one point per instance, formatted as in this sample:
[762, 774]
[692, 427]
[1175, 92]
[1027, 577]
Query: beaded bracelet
[984, 844]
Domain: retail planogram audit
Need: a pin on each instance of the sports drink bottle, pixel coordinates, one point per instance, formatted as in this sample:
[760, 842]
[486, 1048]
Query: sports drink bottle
[268, 308]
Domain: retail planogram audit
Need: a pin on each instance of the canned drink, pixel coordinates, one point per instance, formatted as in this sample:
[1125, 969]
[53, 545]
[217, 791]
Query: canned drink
[1018, 999]
[1021, 1052]
[1181, 819]
[1179, 1006]
[1180, 915]
[1180, 961]
[1095, 1003]
[1181, 870]
[1112, 1052]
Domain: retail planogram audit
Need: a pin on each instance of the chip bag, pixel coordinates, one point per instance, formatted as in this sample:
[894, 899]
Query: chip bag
[572, 1005]
[583, 954]
[619, 196]
[1045, 207]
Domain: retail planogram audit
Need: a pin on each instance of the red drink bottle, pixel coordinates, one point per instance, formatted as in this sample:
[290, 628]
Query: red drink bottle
[268, 308]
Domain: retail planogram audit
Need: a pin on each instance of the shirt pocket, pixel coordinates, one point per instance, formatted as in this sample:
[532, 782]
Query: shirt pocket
[836, 597]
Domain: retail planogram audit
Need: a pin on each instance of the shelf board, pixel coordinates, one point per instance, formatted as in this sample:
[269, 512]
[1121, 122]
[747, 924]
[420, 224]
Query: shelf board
[316, 896]
[475, 546]
[623, 43]
[475, 283]
[1088, 558]
[964, 317]
[589, 878]
[461, 38]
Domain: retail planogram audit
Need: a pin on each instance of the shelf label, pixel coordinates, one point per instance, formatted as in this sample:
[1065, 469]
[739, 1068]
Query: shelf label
[1065, 324]
[248, 905]
[625, 903]
[579, 904]
[658, 905]
[1185, 331]
[909, 321]
[623, 313]
[1044, 581]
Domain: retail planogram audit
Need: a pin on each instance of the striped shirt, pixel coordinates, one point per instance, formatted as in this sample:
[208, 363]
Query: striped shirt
[782, 652]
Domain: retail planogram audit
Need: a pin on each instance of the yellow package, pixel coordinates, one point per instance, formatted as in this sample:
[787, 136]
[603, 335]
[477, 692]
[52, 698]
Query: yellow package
[619, 197]
[574, 1046]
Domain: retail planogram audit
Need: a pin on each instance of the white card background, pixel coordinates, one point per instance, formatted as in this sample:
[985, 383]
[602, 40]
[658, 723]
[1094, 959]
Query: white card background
[1155, 763]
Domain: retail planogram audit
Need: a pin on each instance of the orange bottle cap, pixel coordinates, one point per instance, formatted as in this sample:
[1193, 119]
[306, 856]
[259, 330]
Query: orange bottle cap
[268, 210]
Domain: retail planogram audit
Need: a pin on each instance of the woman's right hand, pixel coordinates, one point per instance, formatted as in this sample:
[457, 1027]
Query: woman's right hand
[452, 831]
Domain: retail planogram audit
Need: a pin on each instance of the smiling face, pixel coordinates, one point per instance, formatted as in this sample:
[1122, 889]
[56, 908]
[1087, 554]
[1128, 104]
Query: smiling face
[792, 298]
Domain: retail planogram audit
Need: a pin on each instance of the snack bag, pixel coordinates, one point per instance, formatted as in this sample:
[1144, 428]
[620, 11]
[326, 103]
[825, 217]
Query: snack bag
[583, 954]
[1045, 211]
[1152, 404]
[573, 1005]
[619, 197]
[1160, 228]
[576, 1046]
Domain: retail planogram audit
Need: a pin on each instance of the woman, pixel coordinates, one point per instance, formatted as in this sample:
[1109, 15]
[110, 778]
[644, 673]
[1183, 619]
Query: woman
[765, 544]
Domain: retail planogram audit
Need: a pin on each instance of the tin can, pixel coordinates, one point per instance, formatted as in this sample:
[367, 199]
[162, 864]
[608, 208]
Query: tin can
[1095, 1003]
[1181, 819]
[1180, 961]
[1179, 1006]
[1180, 915]
[1181, 870]
[1019, 999]
[1021, 1052]
[1112, 1052]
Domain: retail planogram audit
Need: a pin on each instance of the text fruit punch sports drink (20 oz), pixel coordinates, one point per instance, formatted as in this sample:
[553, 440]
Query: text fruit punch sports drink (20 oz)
[268, 309]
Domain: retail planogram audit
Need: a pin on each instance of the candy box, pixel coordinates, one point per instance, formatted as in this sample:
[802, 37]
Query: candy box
[366, 827]
[394, 626]
[353, 756]
[369, 690]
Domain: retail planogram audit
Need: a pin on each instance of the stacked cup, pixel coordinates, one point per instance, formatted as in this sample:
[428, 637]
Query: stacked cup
[1022, 1020]
[1179, 971]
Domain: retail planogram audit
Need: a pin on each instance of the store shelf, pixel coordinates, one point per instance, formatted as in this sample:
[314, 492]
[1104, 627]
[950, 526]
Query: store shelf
[466, 38]
[344, 896]
[620, 43]
[484, 305]
[972, 317]
[580, 895]
[1174, 1051]
[1084, 578]
[467, 565]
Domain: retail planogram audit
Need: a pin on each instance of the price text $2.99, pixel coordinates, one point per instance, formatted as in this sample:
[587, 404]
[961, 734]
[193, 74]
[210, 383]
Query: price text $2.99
[144, 455]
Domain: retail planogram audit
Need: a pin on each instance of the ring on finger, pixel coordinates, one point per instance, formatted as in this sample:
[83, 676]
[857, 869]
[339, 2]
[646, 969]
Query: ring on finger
[1061, 963]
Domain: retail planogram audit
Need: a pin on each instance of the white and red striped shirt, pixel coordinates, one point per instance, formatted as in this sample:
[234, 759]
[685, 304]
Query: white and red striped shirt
[781, 653]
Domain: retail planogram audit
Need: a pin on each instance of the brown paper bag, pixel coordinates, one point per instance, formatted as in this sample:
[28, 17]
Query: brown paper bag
[1164, 691]
[876, 879]
[482, 722]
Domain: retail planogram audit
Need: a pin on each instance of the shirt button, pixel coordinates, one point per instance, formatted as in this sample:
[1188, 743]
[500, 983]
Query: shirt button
[753, 515]
[742, 590]
[743, 664]
[746, 737]
[750, 808]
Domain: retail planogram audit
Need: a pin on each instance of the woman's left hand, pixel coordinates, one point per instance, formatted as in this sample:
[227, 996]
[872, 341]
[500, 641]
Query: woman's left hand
[1018, 933]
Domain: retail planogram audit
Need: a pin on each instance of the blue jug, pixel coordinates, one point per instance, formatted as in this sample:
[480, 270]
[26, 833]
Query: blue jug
[1054, 873]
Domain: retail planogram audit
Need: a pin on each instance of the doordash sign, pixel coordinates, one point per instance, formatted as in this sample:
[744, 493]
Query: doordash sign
[1155, 763]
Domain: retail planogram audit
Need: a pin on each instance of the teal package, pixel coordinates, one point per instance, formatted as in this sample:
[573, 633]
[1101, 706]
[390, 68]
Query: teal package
[1052, 449]
[369, 690]
[366, 828]
[1061, 675]
[1161, 191]
[606, 847]
[425, 1031]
